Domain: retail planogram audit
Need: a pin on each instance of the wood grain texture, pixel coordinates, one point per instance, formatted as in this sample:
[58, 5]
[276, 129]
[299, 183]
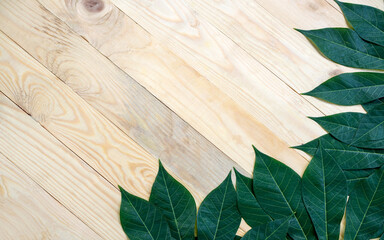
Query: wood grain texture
[115, 94]
[74, 122]
[269, 41]
[59, 171]
[211, 112]
[28, 212]
[226, 65]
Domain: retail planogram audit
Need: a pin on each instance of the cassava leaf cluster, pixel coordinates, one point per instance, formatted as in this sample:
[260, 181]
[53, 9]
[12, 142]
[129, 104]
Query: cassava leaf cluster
[345, 177]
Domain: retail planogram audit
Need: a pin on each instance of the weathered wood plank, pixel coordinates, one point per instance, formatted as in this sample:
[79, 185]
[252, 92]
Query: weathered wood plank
[194, 98]
[278, 47]
[114, 94]
[28, 212]
[59, 171]
[226, 65]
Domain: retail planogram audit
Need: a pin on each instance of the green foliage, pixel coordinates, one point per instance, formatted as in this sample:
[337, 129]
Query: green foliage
[344, 46]
[176, 203]
[249, 207]
[365, 209]
[351, 88]
[277, 203]
[218, 217]
[347, 156]
[141, 220]
[325, 194]
[278, 190]
[367, 21]
[274, 230]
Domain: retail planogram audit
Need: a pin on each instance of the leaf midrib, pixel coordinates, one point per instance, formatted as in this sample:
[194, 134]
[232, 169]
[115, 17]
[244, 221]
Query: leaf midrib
[344, 46]
[170, 201]
[370, 202]
[221, 210]
[150, 234]
[302, 230]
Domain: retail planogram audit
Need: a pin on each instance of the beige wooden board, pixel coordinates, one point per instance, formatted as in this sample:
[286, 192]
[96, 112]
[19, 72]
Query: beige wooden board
[28, 212]
[93, 92]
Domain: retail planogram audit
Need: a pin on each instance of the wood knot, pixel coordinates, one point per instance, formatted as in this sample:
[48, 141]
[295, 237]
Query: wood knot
[93, 5]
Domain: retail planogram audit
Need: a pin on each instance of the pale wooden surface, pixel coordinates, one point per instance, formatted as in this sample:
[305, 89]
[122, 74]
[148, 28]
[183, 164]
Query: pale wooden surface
[93, 92]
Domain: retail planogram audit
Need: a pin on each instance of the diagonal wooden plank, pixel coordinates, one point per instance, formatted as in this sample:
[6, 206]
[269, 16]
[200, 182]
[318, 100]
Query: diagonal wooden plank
[78, 126]
[59, 171]
[211, 112]
[114, 94]
[226, 65]
[28, 212]
[278, 47]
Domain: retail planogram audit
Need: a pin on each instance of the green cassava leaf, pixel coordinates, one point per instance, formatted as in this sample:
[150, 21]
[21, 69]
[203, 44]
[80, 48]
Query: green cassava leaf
[344, 46]
[176, 203]
[278, 190]
[365, 211]
[354, 176]
[357, 129]
[351, 88]
[371, 105]
[348, 157]
[370, 132]
[141, 220]
[274, 230]
[325, 194]
[218, 217]
[249, 207]
[367, 21]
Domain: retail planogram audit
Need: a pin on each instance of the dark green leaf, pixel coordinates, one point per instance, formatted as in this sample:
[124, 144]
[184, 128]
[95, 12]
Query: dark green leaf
[367, 21]
[342, 126]
[274, 230]
[141, 220]
[348, 157]
[278, 190]
[218, 217]
[371, 105]
[354, 176]
[351, 88]
[249, 208]
[370, 132]
[325, 194]
[365, 211]
[237, 238]
[176, 203]
[344, 46]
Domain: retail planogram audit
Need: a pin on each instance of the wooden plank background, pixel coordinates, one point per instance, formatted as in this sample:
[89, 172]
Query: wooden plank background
[93, 92]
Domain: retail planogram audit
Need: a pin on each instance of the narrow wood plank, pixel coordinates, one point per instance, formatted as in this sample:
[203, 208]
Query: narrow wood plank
[28, 212]
[226, 65]
[194, 98]
[278, 47]
[59, 171]
[114, 94]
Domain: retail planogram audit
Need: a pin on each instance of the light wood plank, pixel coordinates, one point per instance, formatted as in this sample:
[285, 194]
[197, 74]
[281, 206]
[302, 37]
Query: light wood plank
[28, 212]
[77, 125]
[278, 47]
[114, 94]
[73, 121]
[230, 68]
[194, 98]
[59, 171]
